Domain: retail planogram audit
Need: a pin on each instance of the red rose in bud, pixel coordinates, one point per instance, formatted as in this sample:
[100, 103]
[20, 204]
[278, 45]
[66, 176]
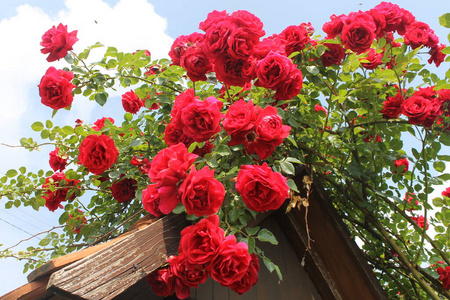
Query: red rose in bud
[444, 276]
[131, 102]
[201, 194]
[200, 242]
[57, 163]
[55, 88]
[261, 188]
[100, 123]
[98, 153]
[58, 41]
[59, 191]
[231, 263]
[249, 279]
[124, 189]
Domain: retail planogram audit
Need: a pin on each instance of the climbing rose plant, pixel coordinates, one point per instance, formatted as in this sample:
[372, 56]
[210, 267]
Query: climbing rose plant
[218, 133]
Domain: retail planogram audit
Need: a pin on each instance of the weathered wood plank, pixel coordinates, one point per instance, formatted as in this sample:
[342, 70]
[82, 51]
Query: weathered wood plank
[110, 271]
[30, 291]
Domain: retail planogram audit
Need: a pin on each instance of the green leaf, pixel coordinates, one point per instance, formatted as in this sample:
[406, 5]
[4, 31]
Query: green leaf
[135, 143]
[444, 20]
[287, 167]
[48, 124]
[128, 117]
[101, 98]
[439, 166]
[252, 230]
[37, 126]
[271, 267]
[313, 70]
[396, 144]
[223, 150]
[11, 173]
[265, 235]
[292, 185]
[251, 245]
[438, 202]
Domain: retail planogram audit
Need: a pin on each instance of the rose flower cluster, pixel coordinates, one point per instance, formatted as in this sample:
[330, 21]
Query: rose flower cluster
[205, 251]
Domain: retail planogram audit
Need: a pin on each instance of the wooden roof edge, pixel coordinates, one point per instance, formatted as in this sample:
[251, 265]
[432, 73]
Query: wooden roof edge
[62, 261]
[30, 291]
[365, 271]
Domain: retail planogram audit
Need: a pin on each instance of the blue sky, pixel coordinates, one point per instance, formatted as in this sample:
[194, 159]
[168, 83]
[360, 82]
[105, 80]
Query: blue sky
[129, 25]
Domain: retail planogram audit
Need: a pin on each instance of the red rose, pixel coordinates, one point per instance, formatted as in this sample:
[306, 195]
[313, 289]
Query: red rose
[420, 221]
[446, 192]
[319, 107]
[162, 282]
[213, 18]
[181, 101]
[358, 32]
[100, 123]
[273, 70]
[444, 276]
[201, 194]
[182, 44]
[240, 120]
[420, 34]
[201, 119]
[174, 135]
[186, 275]
[392, 107]
[131, 102]
[55, 88]
[247, 20]
[56, 188]
[241, 42]
[333, 55]
[142, 164]
[196, 63]
[77, 224]
[151, 200]
[373, 58]
[402, 162]
[249, 279]
[273, 43]
[200, 242]
[216, 37]
[269, 133]
[260, 188]
[417, 109]
[333, 27]
[391, 13]
[207, 148]
[436, 55]
[291, 87]
[123, 189]
[57, 41]
[98, 153]
[237, 72]
[296, 38]
[231, 263]
[57, 163]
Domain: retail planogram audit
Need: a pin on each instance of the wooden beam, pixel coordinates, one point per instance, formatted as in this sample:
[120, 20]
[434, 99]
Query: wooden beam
[334, 253]
[30, 291]
[110, 271]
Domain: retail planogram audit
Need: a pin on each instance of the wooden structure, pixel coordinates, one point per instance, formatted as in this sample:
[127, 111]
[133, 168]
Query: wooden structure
[334, 267]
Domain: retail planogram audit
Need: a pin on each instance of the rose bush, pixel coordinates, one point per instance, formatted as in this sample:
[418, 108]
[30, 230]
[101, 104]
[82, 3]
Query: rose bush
[228, 121]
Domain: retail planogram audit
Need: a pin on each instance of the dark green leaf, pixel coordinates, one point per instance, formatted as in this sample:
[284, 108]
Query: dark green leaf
[265, 235]
[287, 167]
[101, 98]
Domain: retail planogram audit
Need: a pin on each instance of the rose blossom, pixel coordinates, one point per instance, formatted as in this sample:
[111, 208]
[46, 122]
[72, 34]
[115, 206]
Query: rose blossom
[201, 119]
[240, 120]
[231, 263]
[200, 242]
[54, 197]
[196, 63]
[261, 188]
[333, 55]
[392, 106]
[55, 88]
[201, 194]
[358, 32]
[334, 26]
[100, 123]
[420, 34]
[98, 153]
[273, 70]
[402, 162]
[57, 163]
[436, 55]
[417, 109]
[373, 58]
[162, 282]
[182, 44]
[444, 276]
[420, 221]
[291, 87]
[151, 201]
[273, 43]
[249, 279]
[446, 192]
[185, 275]
[123, 189]
[232, 71]
[131, 102]
[57, 41]
[296, 38]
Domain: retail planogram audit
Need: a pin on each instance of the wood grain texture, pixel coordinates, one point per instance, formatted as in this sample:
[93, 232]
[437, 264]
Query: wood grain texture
[30, 291]
[110, 271]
